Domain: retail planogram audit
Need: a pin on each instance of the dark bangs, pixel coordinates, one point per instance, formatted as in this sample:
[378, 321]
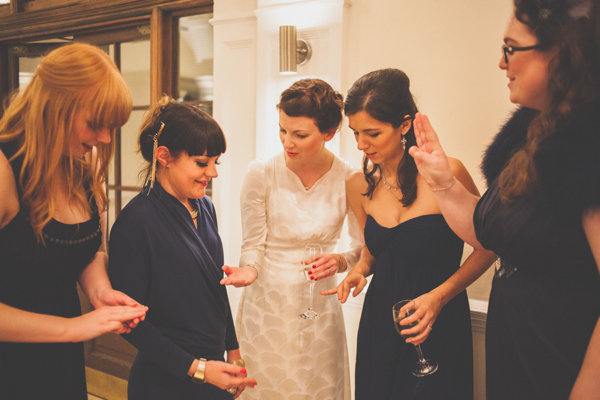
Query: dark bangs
[194, 132]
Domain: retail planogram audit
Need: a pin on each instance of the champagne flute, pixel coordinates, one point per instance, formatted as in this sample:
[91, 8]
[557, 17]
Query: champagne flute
[423, 367]
[310, 252]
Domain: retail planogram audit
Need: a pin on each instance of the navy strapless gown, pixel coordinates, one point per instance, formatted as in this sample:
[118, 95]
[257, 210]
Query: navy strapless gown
[411, 259]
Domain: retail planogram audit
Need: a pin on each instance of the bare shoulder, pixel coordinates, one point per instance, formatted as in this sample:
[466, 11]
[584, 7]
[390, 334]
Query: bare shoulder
[9, 200]
[356, 181]
[462, 175]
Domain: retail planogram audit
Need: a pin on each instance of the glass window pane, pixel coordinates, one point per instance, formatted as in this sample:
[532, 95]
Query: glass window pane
[132, 161]
[135, 67]
[196, 60]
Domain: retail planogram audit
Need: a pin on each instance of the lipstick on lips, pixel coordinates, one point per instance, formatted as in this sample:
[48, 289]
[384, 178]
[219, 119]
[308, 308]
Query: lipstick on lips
[370, 155]
[290, 154]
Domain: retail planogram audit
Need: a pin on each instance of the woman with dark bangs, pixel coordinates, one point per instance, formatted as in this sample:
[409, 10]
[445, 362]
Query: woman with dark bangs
[54, 151]
[165, 251]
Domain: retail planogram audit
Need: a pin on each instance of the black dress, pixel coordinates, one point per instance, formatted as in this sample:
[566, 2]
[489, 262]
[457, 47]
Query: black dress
[545, 298]
[158, 257]
[42, 278]
[412, 259]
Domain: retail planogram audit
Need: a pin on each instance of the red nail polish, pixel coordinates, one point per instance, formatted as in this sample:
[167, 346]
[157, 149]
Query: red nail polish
[312, 278]
[314, 266]
[309, 272]
[243, 371]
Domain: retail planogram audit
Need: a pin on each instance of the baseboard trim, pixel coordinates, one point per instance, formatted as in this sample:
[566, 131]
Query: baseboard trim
[104, 385]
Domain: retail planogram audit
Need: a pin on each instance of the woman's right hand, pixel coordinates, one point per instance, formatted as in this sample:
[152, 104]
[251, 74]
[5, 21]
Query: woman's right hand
[224, 375]
[352, 280]
[104, 320]
[429, 156]
[239, 276]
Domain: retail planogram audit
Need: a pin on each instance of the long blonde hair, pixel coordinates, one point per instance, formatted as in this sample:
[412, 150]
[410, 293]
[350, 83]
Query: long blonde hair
[74, 78]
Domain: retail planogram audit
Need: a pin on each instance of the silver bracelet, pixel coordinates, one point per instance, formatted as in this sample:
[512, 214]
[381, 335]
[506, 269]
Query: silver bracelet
[447, 187]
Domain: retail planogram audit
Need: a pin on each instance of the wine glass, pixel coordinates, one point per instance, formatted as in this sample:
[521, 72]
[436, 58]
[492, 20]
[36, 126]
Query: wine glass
[423, 367]
[310, 252]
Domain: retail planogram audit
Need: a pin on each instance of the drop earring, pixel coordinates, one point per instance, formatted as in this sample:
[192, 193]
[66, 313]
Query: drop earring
[403, 141]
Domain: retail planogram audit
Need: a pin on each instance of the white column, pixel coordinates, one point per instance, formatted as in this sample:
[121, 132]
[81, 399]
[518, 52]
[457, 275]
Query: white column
[234, 107]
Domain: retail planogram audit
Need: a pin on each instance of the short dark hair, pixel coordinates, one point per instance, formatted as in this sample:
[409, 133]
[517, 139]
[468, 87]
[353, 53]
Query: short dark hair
[316, 99]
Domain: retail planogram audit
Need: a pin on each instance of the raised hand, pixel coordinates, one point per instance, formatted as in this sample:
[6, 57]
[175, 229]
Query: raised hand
[429, 156]
[239, 276]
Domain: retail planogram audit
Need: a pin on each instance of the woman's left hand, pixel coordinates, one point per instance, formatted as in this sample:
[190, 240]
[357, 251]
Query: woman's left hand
[323, 266]
[111, 297]
[427, 307]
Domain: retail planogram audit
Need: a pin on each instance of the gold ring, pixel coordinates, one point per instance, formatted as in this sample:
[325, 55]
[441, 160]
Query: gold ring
[430, 327]
[231, 390]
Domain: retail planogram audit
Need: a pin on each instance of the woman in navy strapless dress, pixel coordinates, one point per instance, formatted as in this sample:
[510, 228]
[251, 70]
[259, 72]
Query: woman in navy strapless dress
[411, 252]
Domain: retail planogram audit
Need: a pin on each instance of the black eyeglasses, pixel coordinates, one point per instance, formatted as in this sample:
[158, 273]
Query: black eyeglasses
[510, 50]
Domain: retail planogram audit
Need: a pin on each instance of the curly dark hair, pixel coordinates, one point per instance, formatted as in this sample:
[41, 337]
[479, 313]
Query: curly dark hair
[571, 29]
[385, 95]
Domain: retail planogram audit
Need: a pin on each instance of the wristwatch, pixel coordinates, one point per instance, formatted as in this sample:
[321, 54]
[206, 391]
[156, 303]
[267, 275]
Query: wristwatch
[199, 374]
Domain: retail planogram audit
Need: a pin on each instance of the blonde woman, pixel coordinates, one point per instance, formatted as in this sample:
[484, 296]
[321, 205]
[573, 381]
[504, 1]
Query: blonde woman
[52, 219]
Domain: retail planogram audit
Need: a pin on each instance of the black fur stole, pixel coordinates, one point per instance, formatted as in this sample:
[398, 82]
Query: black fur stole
[567, 162]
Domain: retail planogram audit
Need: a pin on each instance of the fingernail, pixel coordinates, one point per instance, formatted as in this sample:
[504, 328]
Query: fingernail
[309, 272]
[314, 266]
[312, 278]
[243, 371]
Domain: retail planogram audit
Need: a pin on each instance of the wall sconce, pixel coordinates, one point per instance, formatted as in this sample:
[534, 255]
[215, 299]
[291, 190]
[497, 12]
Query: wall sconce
[292, 51]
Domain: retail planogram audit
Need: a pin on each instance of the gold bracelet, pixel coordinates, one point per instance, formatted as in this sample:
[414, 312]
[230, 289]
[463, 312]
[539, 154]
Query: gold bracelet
[239, 362]
[340, 262]
[445, 188]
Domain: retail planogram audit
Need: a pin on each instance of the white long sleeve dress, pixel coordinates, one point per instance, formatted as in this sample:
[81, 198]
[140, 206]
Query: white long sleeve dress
[291, 357]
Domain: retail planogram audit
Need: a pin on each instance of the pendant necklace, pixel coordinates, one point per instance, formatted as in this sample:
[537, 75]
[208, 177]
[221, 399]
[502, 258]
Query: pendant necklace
[389, 185]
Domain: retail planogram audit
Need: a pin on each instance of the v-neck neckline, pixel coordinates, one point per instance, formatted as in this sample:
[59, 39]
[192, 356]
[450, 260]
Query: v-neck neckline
[299, 181]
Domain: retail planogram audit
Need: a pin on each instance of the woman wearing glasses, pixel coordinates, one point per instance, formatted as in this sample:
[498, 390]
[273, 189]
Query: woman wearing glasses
[541, 212]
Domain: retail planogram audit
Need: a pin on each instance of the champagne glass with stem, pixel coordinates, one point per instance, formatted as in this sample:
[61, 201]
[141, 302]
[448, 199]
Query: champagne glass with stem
[423, 367]
[310, 252]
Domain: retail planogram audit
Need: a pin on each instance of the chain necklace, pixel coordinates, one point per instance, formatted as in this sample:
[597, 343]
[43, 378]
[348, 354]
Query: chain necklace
[389, 185]
[194, 214]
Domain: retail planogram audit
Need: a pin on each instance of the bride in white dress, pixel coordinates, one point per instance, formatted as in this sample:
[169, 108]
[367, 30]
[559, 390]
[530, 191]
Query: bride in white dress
[296, 198]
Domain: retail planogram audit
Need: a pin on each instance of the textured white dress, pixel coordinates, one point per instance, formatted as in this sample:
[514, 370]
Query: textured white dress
[290, 357]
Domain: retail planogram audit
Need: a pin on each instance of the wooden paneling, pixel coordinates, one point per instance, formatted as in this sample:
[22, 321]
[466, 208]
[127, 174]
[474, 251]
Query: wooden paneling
[61, 17]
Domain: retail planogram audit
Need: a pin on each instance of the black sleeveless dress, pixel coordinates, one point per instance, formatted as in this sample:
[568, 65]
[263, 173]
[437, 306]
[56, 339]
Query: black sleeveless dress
[545, 298]
[412, 259]
[42, 278]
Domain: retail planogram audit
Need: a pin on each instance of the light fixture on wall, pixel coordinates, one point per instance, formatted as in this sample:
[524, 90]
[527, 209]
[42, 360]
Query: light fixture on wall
[292, 51]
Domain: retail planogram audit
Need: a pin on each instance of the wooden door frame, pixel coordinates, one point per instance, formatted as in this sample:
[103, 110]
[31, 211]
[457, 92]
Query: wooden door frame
[29, 20]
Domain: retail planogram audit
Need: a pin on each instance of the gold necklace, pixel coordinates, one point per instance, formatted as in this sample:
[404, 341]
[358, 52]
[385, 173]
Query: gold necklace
[194, 214]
